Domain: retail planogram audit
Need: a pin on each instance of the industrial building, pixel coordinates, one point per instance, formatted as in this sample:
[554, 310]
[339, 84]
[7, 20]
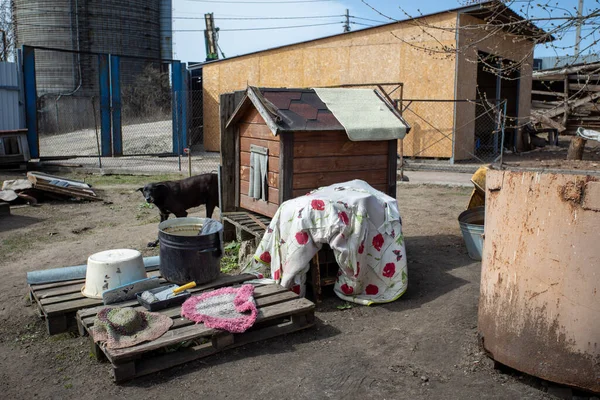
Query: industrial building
[421, 53]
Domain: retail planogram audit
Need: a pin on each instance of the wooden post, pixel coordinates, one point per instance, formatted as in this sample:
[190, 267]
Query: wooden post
[227, 107]
[576, 148]
[228, 104]
[566, 99]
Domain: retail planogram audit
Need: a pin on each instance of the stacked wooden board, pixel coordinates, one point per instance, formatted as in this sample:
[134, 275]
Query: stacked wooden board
[567, 98]
[62, 186]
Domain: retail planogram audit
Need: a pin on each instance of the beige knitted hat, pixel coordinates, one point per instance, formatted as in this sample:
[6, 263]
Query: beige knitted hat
[126, 327]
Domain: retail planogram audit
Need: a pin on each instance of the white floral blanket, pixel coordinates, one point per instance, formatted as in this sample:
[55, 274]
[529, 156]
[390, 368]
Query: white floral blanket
[362, 226]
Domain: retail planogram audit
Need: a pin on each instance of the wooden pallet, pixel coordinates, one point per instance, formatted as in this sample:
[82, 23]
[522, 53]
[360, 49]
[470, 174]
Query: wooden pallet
[58, 302]
[280, 312]
[249, 222]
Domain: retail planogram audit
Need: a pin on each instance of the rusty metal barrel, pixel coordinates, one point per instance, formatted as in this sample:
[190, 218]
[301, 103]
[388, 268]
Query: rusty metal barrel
[539, 310]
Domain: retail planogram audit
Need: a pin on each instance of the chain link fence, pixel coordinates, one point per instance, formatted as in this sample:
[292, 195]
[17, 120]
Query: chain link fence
[453, 135]
[68, 103]
[156, 123]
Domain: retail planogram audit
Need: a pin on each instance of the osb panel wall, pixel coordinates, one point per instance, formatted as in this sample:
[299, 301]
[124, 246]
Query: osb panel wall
[385, 54]
[507, 46]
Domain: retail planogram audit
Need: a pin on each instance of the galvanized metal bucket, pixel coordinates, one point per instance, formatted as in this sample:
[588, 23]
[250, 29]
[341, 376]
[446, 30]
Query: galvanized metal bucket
[471, 225]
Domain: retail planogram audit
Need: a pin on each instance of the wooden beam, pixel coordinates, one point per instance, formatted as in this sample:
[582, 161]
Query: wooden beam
[566, 95]
[266, 115]
[546, 93]
[392, 167]
[228, 151]
[585, 87]
[544, 120]
[286, 167]
[572, 104]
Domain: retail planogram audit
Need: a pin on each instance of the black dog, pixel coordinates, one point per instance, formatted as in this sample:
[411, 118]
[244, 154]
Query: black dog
[176, 197]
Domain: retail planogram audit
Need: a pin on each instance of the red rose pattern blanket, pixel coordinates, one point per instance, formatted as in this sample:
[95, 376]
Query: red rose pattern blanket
[362, 226]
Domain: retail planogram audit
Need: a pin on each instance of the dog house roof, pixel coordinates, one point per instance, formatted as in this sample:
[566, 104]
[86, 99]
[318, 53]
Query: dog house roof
[297, 110]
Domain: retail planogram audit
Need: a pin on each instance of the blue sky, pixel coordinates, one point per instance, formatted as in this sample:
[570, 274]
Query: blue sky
[189, 22]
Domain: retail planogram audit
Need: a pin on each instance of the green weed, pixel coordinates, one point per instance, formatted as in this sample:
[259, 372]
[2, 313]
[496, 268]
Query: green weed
[229, 262]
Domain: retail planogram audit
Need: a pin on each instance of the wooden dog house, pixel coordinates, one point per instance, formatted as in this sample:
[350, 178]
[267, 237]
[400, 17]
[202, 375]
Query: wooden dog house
[305, 147]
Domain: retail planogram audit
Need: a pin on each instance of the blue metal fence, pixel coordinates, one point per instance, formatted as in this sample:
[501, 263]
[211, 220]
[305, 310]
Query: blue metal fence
[122, 94]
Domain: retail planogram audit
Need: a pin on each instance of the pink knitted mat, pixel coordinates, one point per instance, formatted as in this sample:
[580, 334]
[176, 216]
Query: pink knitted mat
[230, 309]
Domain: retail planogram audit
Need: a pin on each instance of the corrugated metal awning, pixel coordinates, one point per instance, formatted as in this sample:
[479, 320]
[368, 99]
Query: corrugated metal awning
[364, 115]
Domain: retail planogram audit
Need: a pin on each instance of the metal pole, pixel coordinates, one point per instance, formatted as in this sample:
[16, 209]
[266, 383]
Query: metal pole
[96, 127]
[347, 23]
[4, 54]
[578, 31]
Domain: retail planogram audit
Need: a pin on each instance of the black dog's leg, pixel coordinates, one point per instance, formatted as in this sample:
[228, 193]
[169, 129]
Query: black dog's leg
[210, 207]
[164, 215]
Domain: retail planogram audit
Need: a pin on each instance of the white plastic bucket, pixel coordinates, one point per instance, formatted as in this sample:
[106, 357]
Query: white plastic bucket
[110, 269]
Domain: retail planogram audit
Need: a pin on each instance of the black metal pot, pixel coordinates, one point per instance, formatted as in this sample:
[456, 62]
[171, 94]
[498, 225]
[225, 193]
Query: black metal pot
[186, 256]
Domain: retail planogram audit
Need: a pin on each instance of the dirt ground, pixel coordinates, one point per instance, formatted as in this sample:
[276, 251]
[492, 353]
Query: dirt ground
[423, 346]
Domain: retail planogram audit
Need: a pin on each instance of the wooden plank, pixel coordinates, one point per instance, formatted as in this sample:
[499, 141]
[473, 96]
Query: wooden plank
[238, 150]
[70, 292]
[584, 87]
[273, 193]
[193, 331]
[257, 131]
[339, 163]
[272, 163]
[312, 180]
[272, 177]
[392, 168]
[286, 166]
[65, 191]
[65, 289]
[566, 105]
[544, 120]
[51, 285]
[223, 280]
[259, 206]
[257, 235]
[325, 149]
[547, 93]
[71, 306]
[572, 104]
[228, 187]
[271, 145]
[256, 98]
[244, 214]
[252, 117]
[321, 136]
